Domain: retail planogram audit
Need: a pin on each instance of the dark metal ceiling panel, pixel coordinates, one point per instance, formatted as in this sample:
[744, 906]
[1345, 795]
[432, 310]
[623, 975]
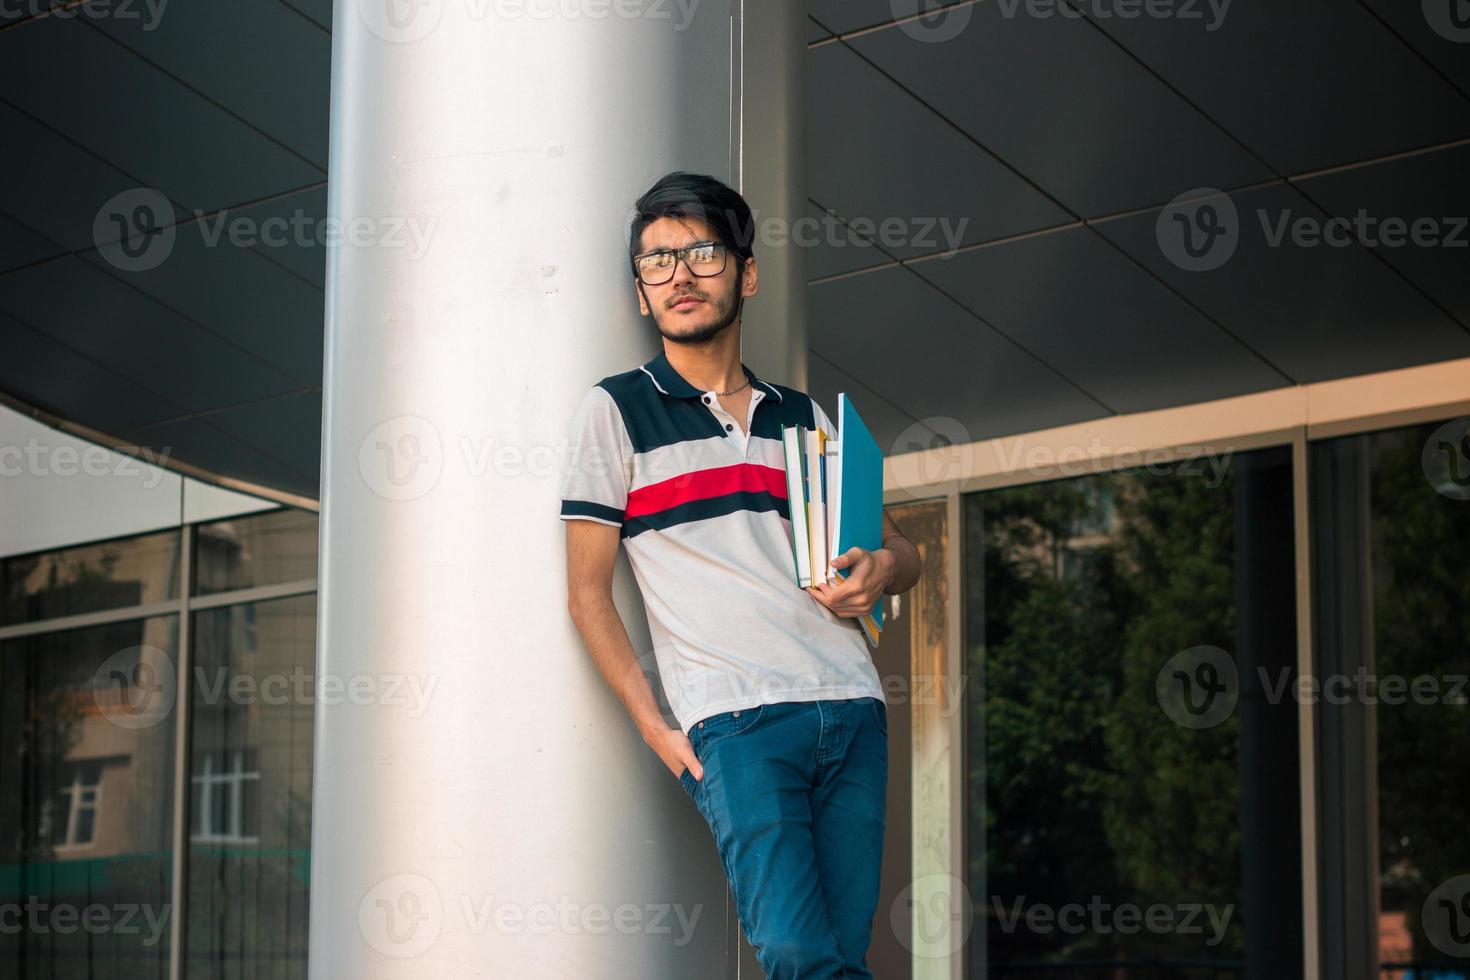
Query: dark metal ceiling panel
[306, 261]
[876, 154]
[51, 376]
[143, 122]
[1442, 44]
[273, 73]
[250, 295]
[932, 359]
[815, 31]
[1059, 101]
[1317, 312]
[197, 442]
[21, 246]
[50, 184]
[833, 252]
[1304, 83]
[1102, 321]
[892, 428]
[1428, 186]
[852, 15]
[318, 12]
[103, 318]
[288, 428]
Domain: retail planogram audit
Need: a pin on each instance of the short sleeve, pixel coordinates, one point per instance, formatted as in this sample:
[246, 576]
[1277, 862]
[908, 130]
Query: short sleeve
[595, 482]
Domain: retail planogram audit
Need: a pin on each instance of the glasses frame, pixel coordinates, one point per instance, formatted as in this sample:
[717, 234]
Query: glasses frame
[682, 255]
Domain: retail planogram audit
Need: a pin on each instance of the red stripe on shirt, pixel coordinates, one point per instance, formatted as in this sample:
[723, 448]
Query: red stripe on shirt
[716, 482]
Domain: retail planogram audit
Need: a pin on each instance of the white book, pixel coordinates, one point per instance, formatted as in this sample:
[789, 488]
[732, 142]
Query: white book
[796, 501]
[817, 510]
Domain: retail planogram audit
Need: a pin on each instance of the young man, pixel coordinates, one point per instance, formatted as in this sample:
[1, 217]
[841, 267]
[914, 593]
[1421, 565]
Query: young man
[783, 730]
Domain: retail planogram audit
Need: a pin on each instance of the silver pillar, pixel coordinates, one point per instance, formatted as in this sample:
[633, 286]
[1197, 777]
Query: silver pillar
[483, 807]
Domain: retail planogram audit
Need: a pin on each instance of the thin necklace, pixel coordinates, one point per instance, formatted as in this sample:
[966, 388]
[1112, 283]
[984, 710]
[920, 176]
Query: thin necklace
[733, 390]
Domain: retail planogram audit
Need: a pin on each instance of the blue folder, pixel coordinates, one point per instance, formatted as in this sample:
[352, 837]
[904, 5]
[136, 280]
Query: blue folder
[860, 497]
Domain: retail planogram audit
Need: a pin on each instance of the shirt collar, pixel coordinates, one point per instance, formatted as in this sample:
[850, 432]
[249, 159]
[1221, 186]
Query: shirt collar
[672, 383]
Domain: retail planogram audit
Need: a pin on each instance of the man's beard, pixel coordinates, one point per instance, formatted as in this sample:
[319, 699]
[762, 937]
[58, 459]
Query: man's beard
[726, 313]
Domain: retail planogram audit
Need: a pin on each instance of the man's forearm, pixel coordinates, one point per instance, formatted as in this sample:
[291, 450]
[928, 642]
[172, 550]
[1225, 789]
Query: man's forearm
[607, 641]
[906, 564]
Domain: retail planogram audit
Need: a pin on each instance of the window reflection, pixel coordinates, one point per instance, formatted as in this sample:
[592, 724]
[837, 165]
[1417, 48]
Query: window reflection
[1392, 518]
[250, 776]
[1129, 783]
[86, 727]
[258, 549]
[90, 578]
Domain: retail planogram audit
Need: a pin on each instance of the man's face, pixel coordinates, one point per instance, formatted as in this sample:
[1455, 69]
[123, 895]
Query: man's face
[689, 308]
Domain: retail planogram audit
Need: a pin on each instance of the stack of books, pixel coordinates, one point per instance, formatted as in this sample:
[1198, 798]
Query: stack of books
[834, 485]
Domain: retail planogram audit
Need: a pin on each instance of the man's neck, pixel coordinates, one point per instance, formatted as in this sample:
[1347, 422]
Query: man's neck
[712, 366]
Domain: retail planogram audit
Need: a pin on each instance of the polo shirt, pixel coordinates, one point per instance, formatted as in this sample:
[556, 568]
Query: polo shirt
[703, 515]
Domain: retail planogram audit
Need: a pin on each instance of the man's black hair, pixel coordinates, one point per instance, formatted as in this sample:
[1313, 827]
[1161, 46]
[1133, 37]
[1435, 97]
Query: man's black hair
[685, 195]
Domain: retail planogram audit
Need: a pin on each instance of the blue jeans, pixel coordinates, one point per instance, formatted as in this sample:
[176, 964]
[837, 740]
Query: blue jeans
[795, 794]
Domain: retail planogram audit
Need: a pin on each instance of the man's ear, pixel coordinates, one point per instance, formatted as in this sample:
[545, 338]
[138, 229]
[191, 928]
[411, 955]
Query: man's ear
[642, 299]
[750, 279]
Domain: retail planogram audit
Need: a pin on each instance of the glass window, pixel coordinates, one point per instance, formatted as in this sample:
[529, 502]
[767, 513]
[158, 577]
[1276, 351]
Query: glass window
[1391, 519]
[1133, 796]
[257, 549]
[86, 789]
[251, 751]
[90, 578]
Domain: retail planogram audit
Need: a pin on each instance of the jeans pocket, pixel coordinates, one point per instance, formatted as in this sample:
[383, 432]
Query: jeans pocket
[705, 734]
[687, 780]
[880, 714]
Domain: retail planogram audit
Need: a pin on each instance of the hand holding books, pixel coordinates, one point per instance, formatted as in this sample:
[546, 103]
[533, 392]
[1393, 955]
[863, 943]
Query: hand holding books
[834, 484]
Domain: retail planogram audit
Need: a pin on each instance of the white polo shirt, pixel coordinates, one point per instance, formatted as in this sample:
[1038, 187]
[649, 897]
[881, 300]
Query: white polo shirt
[705, 521]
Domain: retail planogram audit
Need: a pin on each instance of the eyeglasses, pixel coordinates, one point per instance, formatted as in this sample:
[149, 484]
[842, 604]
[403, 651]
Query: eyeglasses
[657, 267]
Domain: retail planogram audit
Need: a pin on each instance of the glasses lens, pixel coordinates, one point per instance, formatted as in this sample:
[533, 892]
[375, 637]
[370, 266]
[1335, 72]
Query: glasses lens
[707, 259]
[656, 268]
